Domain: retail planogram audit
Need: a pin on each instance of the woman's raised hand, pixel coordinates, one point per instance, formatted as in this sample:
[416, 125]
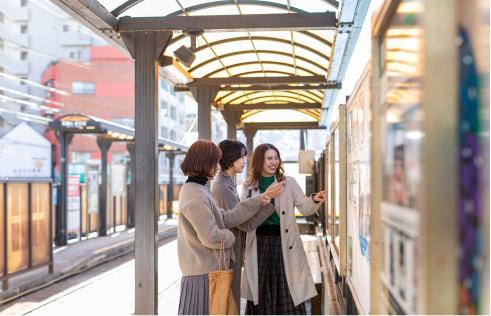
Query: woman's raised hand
[319, 196]
[274, 190]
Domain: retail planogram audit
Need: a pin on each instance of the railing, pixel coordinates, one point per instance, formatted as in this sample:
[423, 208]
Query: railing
[26, 227]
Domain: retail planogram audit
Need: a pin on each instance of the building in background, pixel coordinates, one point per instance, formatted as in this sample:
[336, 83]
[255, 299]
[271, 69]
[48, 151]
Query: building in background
[103, 87]
[33, 34]
[50, 65]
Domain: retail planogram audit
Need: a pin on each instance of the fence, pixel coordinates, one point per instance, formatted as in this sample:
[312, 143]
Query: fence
[26, 221]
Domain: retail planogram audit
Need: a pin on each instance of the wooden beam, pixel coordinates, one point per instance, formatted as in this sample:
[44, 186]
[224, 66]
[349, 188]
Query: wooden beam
[280, 125]
[268, 106]
[232, 23]
[281, 87]
[258, 80]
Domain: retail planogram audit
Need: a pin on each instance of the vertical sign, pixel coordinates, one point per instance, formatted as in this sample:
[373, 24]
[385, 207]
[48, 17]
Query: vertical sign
[92, 191]
[73, 206]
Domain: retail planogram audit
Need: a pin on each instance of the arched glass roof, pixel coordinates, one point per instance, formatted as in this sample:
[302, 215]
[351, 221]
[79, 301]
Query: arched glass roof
[248, 53]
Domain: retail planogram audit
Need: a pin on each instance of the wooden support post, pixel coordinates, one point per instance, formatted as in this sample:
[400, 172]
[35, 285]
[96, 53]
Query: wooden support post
[249, 132]
[61, 211]
[170, 185]
[204, 95]
[231, 118]
[146, 48]
[104, 146]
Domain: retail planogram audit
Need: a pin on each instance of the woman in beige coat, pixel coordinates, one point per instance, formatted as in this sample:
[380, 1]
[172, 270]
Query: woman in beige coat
[277, 277]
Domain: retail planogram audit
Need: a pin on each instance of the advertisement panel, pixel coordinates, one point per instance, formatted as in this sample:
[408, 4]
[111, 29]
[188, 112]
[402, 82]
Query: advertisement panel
[24, 153]
[73, 204]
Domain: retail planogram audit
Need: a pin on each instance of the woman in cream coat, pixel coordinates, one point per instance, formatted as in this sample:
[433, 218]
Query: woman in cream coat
[290, 263]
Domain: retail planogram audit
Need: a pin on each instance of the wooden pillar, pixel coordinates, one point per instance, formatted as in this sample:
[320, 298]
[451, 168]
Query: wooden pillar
[204, 95]
[104, 146]
[146, 47]
[170, 186]
[231, 118]
[250, 132]
[61, 210]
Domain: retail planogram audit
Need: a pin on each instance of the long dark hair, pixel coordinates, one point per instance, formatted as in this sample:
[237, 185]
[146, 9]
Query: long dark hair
[256, 165]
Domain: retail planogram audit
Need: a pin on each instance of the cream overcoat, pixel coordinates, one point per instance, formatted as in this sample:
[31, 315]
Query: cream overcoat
[297, 268]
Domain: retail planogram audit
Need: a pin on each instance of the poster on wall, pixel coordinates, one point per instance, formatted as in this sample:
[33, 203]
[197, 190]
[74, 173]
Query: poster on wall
[73, 204]
[118, 179]
[358, 195]
[24, 153]
[92, 191]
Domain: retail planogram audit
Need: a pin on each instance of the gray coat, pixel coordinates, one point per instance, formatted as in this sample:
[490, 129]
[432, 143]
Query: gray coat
[225, 194]
[297, 268]
[202, 226]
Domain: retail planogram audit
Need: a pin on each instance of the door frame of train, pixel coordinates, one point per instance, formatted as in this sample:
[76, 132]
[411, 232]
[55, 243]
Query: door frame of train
[437, 231]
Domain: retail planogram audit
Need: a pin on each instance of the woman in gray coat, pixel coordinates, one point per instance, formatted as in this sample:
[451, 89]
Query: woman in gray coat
[224, 191]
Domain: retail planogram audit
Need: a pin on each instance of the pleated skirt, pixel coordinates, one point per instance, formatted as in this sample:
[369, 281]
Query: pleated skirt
[274, 293]
[194, 295]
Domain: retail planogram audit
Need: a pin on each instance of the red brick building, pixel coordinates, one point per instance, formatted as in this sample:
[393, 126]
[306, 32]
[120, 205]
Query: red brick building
[102, 87]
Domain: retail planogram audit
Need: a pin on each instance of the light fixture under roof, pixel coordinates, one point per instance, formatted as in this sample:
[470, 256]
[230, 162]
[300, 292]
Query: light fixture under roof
[185, 55]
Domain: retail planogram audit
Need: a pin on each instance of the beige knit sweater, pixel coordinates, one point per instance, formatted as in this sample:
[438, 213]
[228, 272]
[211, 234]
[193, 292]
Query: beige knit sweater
[202, 225]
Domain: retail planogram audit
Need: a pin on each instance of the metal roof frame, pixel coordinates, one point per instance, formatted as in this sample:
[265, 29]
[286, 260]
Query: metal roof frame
[86, 124]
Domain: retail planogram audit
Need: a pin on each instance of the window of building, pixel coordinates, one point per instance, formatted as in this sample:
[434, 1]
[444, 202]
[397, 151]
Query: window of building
[1, 17]
[73, 55]
[164, 132]
[23, 55]
[163, 106]
[173, 113]
[23, 3]
[124, 121]
[119, 157]
[78, 157]
[163, 84]
[23, 28]
[173, 135]
[66, 28]
[1, 44]
[79, 87]
[22, 81]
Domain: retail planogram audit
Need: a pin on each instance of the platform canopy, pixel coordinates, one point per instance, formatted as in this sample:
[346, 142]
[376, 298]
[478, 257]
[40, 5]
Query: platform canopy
[257, 52]
[113, 132]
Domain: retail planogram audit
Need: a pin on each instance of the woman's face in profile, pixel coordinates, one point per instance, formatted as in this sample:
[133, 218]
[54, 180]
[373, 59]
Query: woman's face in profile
[240, 164]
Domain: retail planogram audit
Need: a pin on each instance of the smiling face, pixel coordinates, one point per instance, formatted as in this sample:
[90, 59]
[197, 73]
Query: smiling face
[270, 163]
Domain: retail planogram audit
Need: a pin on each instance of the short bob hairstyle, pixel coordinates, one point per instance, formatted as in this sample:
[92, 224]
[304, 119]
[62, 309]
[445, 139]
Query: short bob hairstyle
[232, 150]
[201, 159]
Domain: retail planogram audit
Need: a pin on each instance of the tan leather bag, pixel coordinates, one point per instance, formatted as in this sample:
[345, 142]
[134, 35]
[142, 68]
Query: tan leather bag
[220, 298]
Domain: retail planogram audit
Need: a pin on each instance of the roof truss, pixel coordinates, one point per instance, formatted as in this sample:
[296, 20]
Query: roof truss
[271, 106]
[231, 23]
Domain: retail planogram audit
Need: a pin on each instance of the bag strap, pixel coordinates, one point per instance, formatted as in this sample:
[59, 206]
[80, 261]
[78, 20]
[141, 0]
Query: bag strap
[221, 253]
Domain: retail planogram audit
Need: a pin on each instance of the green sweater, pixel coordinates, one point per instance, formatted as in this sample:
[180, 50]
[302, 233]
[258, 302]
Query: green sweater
[264, 183]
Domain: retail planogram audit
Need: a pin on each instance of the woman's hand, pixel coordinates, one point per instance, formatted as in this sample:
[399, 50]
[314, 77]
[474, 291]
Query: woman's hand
[319, 196]
[274, 190]
[265, 200]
